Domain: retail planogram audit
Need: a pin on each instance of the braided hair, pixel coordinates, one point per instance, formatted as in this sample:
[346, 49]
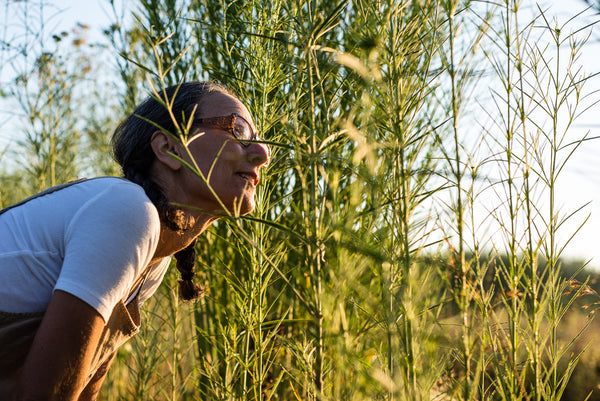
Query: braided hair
[132, 150]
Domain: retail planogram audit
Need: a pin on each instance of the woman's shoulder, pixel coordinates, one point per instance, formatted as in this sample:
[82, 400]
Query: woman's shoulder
[66, 199]
[112, 190]
[109, 184]
[104, 202]
[118, 197]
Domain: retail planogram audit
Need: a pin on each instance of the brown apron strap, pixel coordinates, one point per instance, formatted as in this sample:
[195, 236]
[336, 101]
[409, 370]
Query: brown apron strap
[17, 331]
[137, 284]
[124, 323]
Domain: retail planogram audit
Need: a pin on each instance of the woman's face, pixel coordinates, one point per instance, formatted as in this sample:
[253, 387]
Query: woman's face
[232, 169]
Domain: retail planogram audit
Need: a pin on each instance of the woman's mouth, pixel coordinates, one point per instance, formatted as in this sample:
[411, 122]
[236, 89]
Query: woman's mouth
[251, 178]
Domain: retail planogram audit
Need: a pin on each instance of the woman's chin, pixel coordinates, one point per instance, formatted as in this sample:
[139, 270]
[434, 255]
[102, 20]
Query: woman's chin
[246, 207]
[239, 208]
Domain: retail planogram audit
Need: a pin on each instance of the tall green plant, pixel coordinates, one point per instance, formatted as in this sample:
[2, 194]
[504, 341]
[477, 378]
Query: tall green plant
[333, 280]
[539, 93]
[465, 29]
[404, 132]
[56, 131]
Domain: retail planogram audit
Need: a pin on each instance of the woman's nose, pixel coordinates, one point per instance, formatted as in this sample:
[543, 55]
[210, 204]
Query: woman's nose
[259, 153]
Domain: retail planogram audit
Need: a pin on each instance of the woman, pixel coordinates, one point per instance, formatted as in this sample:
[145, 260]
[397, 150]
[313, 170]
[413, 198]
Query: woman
[76, 262]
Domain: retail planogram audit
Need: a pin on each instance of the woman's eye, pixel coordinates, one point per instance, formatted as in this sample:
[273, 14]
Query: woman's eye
[239, 132]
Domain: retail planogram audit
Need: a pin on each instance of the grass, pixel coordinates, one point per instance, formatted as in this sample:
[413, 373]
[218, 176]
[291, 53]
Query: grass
[391, 256]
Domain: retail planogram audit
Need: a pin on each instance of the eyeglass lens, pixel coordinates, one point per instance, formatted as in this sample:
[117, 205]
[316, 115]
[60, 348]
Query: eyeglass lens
[242, 130]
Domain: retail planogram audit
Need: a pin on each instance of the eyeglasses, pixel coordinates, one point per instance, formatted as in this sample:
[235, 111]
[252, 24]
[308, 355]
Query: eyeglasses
[234, 123]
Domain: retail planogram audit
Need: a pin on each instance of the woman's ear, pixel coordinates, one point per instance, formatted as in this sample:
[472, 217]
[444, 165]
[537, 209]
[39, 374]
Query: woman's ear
[164, 147]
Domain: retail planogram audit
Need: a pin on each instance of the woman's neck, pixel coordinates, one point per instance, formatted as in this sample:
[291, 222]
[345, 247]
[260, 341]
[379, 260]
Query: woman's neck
[171, 242]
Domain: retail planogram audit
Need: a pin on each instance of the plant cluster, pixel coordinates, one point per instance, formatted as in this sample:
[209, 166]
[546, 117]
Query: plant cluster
[406, 240]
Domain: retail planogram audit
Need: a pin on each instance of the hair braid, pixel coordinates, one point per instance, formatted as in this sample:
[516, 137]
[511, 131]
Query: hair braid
[186, 260]
[172, 217]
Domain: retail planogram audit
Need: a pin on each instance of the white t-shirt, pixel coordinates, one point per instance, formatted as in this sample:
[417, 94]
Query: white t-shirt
[92, 240]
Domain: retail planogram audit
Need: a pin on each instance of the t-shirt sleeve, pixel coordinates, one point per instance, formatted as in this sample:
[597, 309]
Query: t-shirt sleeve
[109, 241]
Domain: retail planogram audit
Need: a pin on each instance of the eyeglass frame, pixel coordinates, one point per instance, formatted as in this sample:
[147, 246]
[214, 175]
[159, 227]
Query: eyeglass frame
[227, 123]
